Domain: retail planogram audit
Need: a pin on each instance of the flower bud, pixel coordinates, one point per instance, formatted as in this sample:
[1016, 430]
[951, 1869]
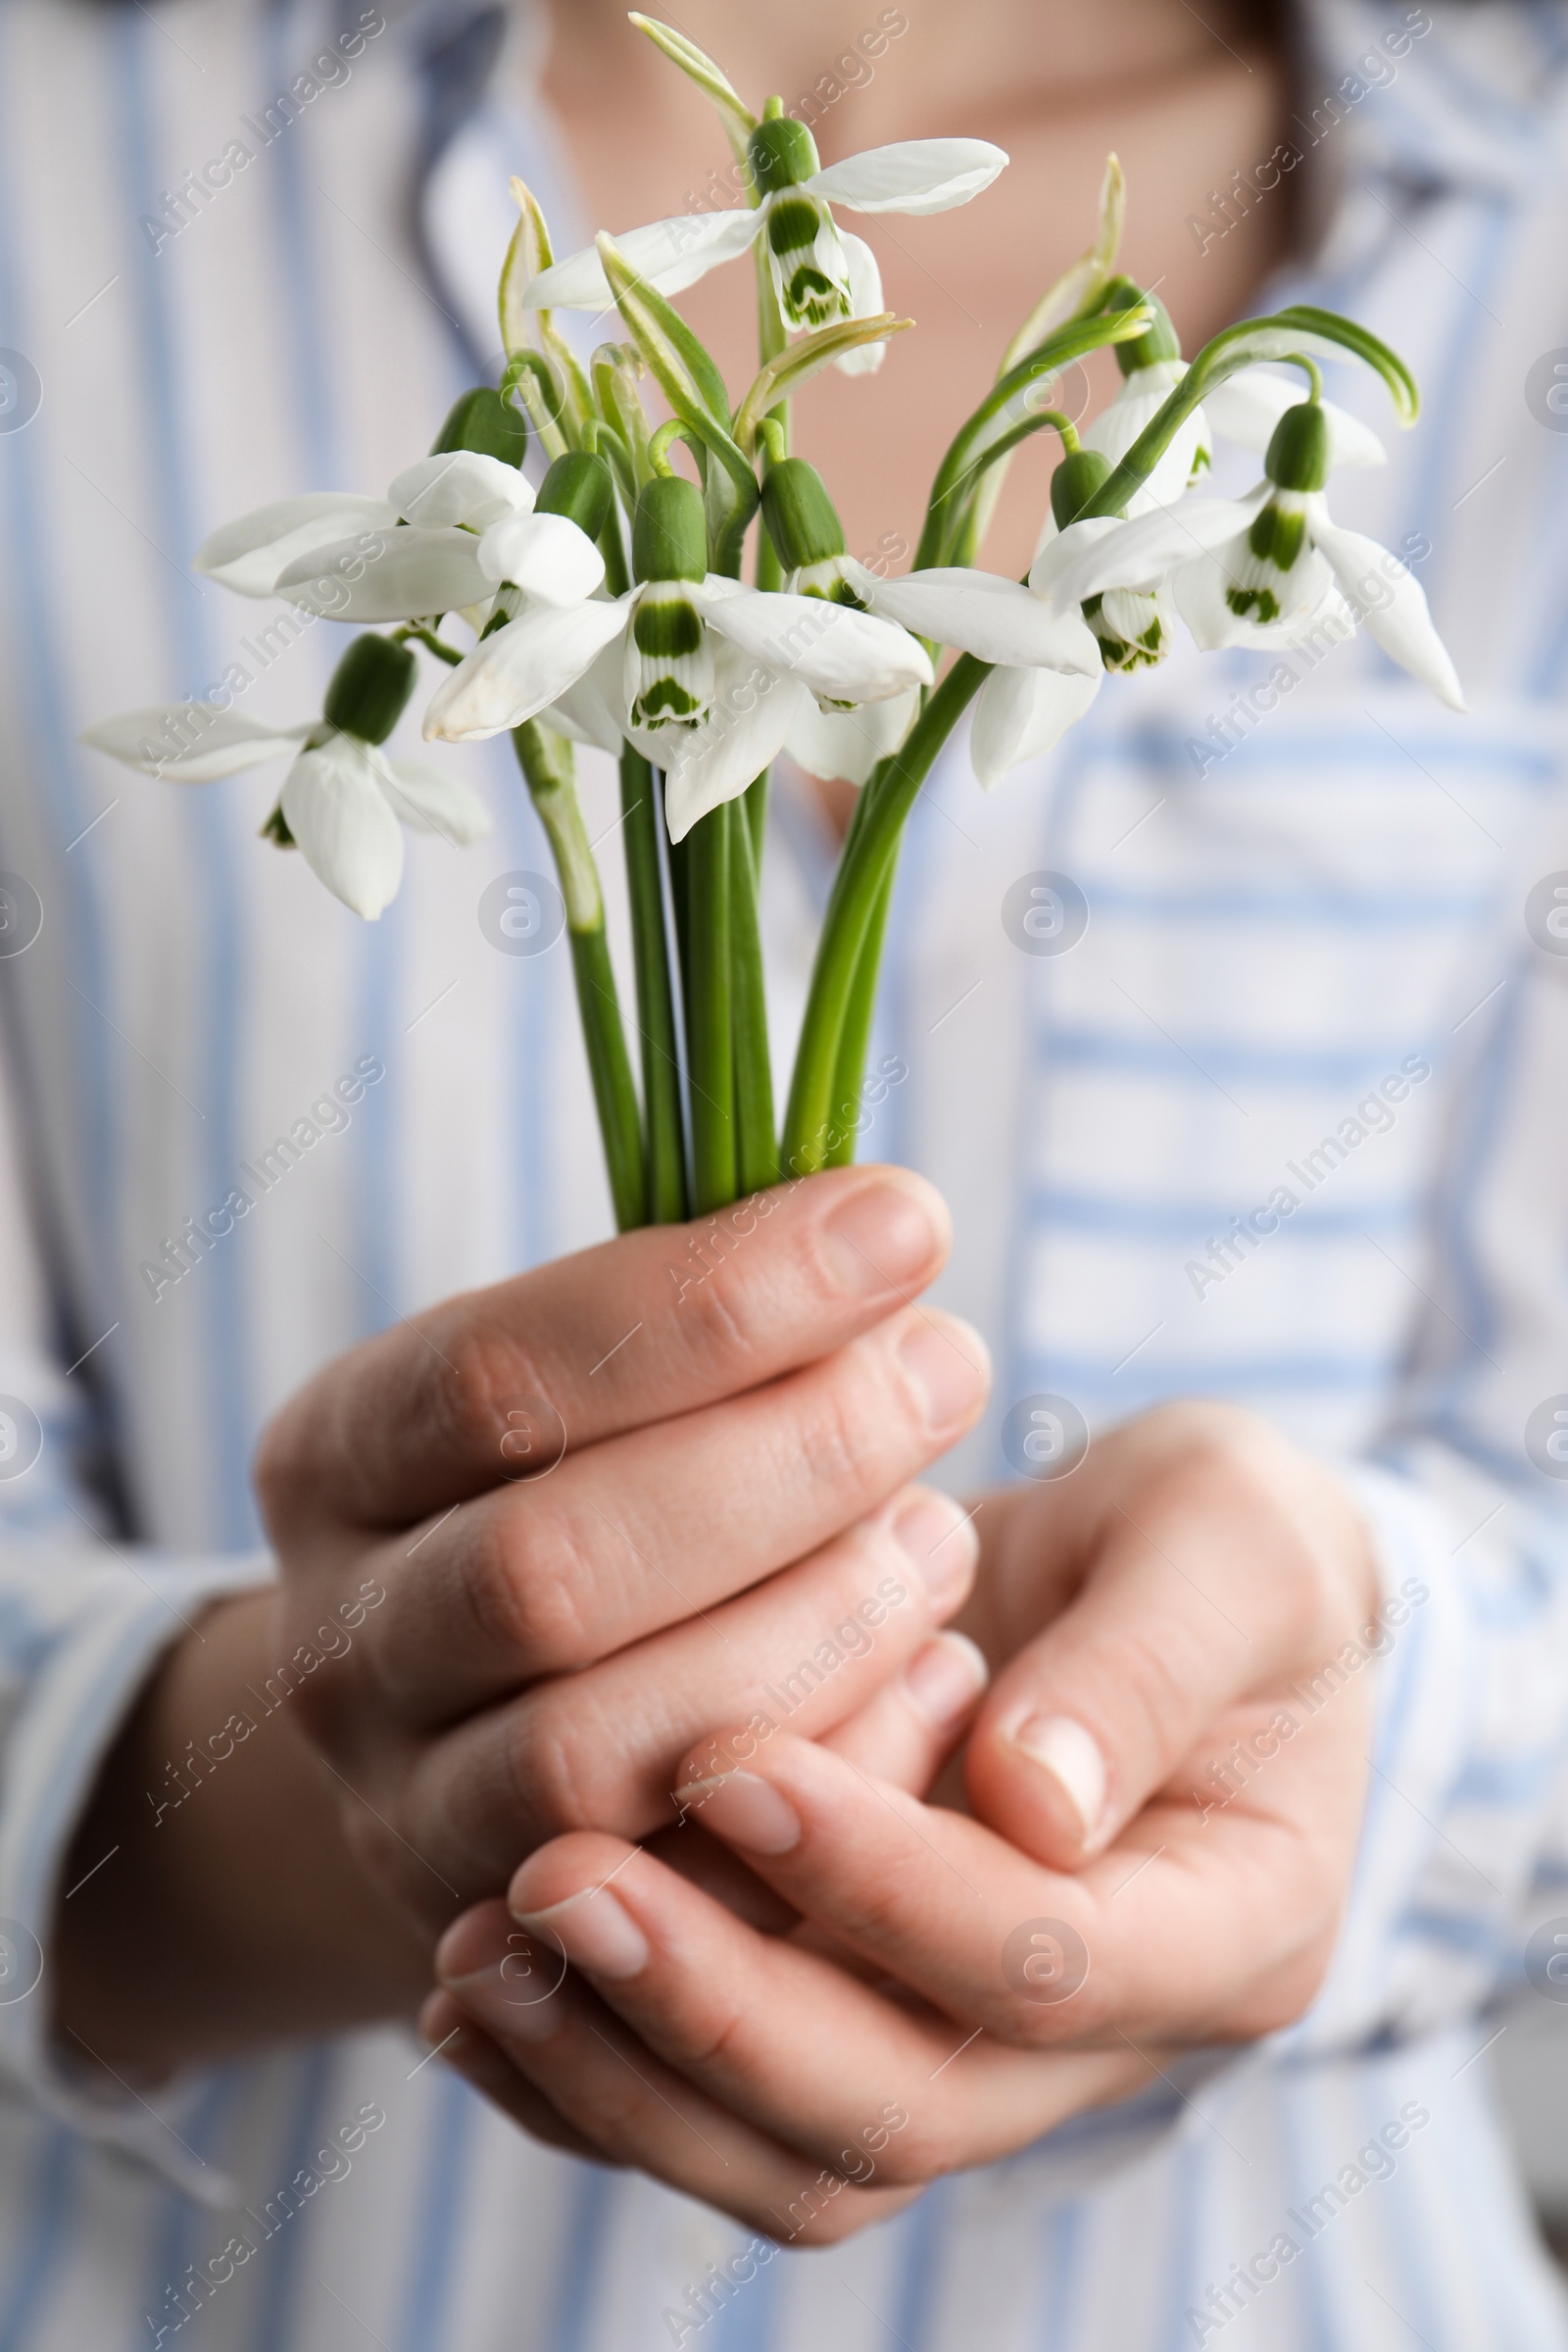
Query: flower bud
[1298, 456]
[482, 421]
[802, 519]
[370, 688]
[1159, 340]
[578, 486]
[669, 531]
[781, 152]
[1080, 475]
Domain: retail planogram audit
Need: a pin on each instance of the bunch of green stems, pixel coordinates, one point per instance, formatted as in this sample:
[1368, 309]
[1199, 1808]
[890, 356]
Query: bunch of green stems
[704, 1131]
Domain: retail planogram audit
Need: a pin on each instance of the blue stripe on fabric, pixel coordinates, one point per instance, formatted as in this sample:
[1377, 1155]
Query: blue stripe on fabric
[579, 2281]
[1201, 1060]
[1515, 1781]
[91, 1073]
[378, 946]
[218, 995]
[1319, 906]
[1060, 2290]
[923, 2233]
[54, 2186]
[1406, 2220]
[1455, 1932]
[179, 2219]
[748, 2322]
[278, 2309]
[1311, 747]
[1194, 1221]
[1296, 2096]
[1200, 1375]
[1192, 2164]
[448, 2167]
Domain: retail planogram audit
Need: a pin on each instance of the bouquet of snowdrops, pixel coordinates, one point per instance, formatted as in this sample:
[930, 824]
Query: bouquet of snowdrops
[607, 605]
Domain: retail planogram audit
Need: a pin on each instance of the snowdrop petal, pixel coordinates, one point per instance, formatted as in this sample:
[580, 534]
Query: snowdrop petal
[1022, 714]
[594, 709]
[1143, 551]
[718, 760]
[848, 656]
[335, 808]
[913, 175]
[848, 744]
[865, 301]
[996, 619]
[192, 742]
[1246, 408]
[249, 553]
[460, 485]
[545, 554]
[1135, 405]
[1199, 589]
[1392, 607]
[521, 669]
[431, 800]
[671, 253]
[416, 573]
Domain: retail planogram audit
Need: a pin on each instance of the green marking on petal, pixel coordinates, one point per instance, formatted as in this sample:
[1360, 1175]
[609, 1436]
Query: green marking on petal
[667, 627]
[1275, 536]
[665, 701]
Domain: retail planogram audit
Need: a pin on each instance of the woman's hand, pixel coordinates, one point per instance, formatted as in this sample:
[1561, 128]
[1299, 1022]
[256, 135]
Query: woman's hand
[520, 1544]
[1164, 1795]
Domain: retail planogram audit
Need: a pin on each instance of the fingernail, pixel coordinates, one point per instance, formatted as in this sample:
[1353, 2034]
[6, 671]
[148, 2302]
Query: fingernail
[506, 1975]
[940, 1543]
[948, 1363]
[1064, 1749]
[596, 1932]
[945, 1679]
[882, 1238]
[743, 1811]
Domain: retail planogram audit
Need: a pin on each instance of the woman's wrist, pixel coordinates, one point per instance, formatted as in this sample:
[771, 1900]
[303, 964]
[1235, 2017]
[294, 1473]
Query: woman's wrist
[224, 1909]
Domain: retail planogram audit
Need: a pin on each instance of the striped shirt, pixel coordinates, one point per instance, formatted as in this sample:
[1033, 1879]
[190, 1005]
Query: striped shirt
[1286, 1123]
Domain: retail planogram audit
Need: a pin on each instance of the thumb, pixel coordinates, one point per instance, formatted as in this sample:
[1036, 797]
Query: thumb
[1203, 1591]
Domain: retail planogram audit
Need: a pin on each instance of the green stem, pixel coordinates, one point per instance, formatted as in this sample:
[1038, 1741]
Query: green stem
[756, 1137]
[864, 870]
[656, 1007]
[546, 760]
[849, 1071]
[709, 1038]
[754, 802]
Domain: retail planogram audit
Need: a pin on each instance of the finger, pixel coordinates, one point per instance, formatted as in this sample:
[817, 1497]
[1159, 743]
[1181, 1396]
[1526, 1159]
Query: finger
[651, 1324]
[621, 2099]
[1186, 1927]
[600, 1748]
[906, 1731]
[871, 2087]
[454, 2038]
[649, 1529]
[1215, 1580]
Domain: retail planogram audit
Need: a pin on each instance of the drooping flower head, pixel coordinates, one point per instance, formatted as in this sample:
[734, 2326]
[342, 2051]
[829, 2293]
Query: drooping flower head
[819, 271]
[343, 796]
[1261, 570]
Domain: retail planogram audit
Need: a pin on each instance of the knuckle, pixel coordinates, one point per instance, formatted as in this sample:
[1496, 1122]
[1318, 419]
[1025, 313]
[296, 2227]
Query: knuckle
[488, 1363]
[721, 1324]
[520, 1578]
[548, 1766]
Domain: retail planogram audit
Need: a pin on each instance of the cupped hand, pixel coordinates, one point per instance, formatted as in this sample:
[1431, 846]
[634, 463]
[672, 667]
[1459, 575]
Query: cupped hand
[545, 1511]
[1164, 1789]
